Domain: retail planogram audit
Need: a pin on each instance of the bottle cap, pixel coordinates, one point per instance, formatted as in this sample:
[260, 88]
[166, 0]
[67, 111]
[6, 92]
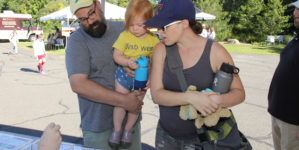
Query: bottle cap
[142, 61]
[225, 67]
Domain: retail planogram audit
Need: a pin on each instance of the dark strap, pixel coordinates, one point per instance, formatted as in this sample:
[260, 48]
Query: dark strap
[208, 46]
[175, 63]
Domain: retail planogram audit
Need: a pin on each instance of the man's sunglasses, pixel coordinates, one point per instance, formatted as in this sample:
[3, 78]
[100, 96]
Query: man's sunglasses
[90, 14]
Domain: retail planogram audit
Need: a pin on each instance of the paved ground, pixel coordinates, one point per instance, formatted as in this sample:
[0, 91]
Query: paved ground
[31, 100]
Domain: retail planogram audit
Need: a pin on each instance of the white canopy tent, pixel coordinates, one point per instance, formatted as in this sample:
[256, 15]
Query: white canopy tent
[62, 14]
[111, 12]
[203, 16]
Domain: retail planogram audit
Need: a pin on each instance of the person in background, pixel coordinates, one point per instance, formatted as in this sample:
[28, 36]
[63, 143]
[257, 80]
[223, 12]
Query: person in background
[57, 32]
[49, 35]
[212, 33]
[283, 98]
[57, 35]
[40, 53]
[51, 138]
[136, 40]
[201, 59]
[204, 32]
[50, 41]
[14, 39]
[91, 68]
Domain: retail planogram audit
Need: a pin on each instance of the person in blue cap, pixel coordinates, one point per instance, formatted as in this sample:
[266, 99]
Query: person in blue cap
[175, 20]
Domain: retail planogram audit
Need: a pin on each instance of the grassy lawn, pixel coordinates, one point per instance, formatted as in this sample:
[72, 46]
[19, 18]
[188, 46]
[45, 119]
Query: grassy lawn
[28, 45]
[232, 48]
[254, 49]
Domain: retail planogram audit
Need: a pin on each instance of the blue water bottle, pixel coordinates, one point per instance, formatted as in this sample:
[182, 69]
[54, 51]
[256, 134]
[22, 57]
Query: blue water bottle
[141, 73]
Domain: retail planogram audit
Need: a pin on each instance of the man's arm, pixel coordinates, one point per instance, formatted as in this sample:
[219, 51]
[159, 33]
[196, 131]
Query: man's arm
[81, 85]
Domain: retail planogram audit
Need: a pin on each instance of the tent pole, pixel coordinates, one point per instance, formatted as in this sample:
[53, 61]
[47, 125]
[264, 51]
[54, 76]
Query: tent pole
[103, 6]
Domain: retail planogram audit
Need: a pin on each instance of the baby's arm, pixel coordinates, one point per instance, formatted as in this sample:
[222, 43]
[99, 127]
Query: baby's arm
[120, 59]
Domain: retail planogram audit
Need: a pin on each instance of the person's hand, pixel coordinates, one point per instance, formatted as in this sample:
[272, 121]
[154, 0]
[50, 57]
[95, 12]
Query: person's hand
[147, 86]
[51, 138]
[134, 101]
[129, 72]
[132, 63]
[202, 102]
[215, 98]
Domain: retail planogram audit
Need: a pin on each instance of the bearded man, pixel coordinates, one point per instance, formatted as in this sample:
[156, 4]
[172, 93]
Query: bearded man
[90, 67]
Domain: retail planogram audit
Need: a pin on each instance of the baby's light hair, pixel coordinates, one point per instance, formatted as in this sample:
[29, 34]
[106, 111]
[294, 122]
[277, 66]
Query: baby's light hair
[141, 8]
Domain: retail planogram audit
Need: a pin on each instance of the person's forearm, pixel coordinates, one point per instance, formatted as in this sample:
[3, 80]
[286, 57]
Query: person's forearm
[97, 93]
[232, 98]
[169, 98]
[119, 58]
[122, 61]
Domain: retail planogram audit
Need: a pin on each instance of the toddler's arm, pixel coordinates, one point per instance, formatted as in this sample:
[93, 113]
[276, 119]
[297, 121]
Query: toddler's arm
[120, 59]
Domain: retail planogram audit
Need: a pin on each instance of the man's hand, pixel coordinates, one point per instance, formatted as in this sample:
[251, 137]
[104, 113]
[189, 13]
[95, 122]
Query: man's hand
[135, 102]
[51, 138]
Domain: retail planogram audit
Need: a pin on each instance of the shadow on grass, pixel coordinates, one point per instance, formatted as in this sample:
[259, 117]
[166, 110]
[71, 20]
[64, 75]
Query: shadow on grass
[271, 49]
[52, 50]
[29, 46]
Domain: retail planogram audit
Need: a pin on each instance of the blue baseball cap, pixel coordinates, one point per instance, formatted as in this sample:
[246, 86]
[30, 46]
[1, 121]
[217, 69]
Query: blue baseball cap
[168, 11]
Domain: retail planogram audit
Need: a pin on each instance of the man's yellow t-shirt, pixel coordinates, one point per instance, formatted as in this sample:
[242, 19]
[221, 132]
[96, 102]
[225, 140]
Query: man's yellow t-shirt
[133, 47]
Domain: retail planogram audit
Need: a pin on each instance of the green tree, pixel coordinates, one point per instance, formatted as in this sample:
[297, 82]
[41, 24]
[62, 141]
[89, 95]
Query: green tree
[52, 6]
[3, 5]
[124, 3]
[121, 3]
[232, 7]
[253, 20]
[27, 7]
[246, 25]
[289, 12]
[272, 19]
[223, 29]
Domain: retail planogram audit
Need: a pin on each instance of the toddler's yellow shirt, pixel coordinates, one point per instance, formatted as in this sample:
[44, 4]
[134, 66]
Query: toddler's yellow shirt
[133, 47]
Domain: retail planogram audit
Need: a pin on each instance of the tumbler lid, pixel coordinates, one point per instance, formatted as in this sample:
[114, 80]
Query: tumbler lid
[226, 67]
[142, 61]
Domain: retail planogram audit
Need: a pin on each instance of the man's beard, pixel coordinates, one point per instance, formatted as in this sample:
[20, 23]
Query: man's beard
[97, 32]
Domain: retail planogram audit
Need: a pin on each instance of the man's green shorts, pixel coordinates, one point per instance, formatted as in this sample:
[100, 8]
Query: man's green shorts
[100, 139]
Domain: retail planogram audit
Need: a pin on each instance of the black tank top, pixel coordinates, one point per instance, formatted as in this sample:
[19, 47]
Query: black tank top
[201, 75]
